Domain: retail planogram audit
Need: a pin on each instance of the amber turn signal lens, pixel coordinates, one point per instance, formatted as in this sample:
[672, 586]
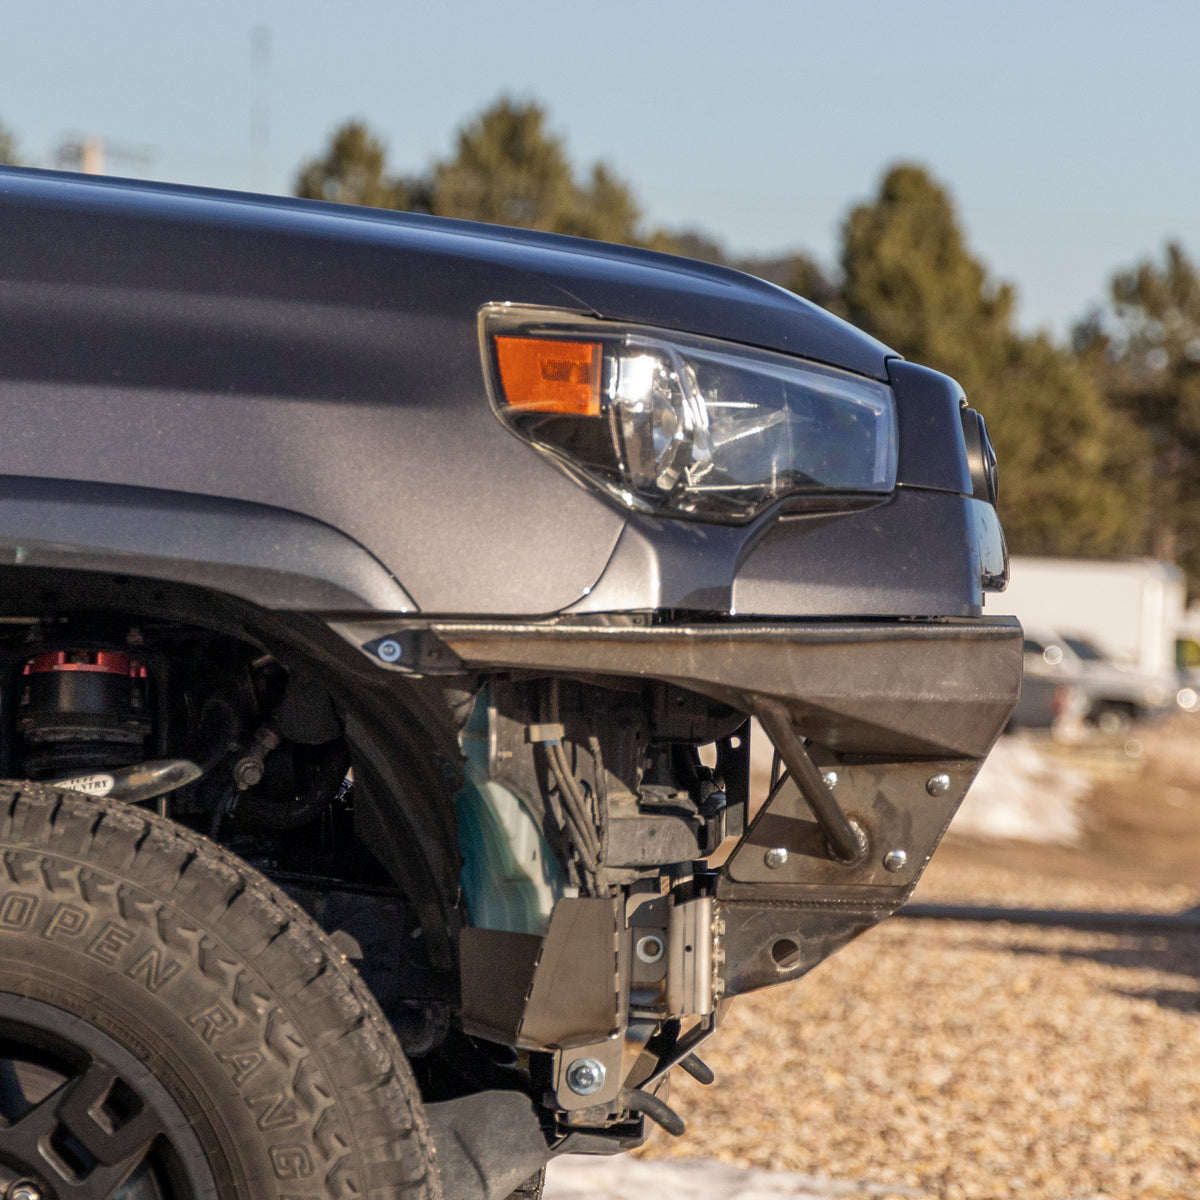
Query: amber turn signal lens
[540, 375]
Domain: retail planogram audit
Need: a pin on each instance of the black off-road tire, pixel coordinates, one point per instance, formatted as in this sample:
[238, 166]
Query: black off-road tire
[276, 1055]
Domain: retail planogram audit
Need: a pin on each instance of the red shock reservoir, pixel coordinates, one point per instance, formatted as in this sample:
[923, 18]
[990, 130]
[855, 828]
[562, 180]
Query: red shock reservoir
[82, 710]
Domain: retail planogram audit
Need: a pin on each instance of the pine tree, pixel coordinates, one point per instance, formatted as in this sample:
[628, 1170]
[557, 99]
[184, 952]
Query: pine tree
[508, 169]
[353, 171]
[1144, 348]
[8, 148]
[1069, 464]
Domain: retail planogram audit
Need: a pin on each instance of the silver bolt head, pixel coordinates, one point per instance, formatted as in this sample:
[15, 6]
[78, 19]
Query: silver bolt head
[776, 857]
[650, 948]
[831, 778]
[24, 1191]
[938, 785]
[390, 651]
[585, 1076]
[247, 772]
[895, 860]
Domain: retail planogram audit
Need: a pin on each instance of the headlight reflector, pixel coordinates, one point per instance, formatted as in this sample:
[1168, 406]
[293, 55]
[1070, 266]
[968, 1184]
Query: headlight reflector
[686, 426]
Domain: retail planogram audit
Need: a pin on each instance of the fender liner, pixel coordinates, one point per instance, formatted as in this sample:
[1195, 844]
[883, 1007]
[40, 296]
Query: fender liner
[401, 736]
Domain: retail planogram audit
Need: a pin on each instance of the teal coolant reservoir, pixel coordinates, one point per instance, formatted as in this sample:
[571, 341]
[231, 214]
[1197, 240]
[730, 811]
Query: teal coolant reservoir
[510, 878]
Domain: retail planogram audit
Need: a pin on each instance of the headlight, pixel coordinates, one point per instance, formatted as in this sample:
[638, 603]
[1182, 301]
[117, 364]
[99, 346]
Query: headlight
[687, 426]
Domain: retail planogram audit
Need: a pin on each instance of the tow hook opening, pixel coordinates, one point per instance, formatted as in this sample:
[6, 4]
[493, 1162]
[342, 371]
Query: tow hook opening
[786, 954]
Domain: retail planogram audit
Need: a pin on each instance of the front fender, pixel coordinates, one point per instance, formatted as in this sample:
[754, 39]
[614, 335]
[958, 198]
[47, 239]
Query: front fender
[269, 556]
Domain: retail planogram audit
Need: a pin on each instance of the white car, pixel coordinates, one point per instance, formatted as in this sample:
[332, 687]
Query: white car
[1114, 696]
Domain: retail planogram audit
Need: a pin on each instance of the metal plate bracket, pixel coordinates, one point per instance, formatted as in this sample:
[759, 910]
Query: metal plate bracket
[902, 807]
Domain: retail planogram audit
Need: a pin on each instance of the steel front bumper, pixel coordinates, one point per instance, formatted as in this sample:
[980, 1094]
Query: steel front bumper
[905, 688]
[907, 710]
[895, 717]
[891, 703]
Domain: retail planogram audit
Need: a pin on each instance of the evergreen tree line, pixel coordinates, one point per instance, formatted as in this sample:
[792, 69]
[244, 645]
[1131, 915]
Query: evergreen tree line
[1098, 440]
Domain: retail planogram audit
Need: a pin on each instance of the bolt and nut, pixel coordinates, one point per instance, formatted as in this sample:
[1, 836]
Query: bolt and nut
[390, 650]
[776, 857]
[650, 948]
[249, 771]
[938, 785]
[23, 1191]
[585, 1076]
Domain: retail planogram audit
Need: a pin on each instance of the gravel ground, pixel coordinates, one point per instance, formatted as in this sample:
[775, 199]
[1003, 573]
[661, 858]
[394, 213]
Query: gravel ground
[967, 1060]
[974, 1060]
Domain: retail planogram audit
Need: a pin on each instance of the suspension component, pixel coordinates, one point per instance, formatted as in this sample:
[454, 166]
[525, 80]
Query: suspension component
[82, 710]
[250, 767]
[144, 781]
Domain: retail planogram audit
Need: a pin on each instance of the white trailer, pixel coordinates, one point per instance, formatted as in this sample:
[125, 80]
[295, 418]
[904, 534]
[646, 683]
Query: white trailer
[1131, 609]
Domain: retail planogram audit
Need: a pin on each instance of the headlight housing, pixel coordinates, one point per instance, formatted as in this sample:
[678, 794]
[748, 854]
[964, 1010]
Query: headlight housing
[679, 425]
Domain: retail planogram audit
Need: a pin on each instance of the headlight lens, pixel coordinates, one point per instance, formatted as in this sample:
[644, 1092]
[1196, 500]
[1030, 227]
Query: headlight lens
[682, 425]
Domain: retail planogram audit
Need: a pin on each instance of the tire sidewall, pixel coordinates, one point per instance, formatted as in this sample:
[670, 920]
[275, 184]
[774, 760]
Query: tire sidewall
[214, 980]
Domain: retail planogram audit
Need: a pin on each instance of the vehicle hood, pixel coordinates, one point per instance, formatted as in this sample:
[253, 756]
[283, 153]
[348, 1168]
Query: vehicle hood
[484, 263]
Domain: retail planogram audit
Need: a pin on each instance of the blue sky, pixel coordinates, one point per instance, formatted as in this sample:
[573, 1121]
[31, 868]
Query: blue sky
[1066, 131]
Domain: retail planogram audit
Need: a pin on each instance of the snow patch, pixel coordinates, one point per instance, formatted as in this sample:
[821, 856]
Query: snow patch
[1022, 792]
[577, 1178]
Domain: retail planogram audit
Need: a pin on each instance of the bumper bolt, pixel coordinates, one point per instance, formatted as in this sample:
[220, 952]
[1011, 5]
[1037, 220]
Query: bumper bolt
[390, 650]
[776, 857]
[585, 1076]
[895, 860]
[650, 948]
[938, 785]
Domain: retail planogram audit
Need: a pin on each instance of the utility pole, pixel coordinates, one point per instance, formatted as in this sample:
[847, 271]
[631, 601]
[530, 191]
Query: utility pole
[260, 129]
[91, 156]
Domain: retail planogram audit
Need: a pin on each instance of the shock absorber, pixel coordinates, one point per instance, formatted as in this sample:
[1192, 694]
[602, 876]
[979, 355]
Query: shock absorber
[82, 710]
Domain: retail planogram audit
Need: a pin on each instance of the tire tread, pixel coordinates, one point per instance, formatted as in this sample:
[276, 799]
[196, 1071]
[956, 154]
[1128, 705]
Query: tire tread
[337, 1057]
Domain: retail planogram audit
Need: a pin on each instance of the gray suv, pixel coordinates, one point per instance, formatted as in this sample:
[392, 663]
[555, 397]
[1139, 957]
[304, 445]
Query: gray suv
[384, 603]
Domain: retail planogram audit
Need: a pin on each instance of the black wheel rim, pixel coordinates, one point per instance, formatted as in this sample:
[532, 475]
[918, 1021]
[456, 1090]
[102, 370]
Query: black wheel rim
[82, 1118]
